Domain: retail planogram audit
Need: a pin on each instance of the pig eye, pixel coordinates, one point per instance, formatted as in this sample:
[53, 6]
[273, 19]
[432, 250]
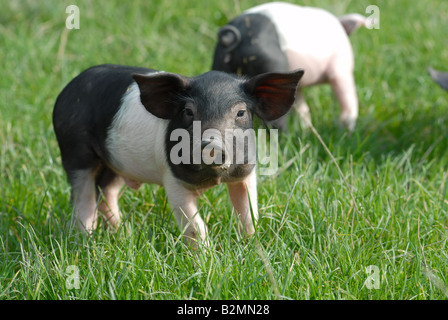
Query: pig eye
[189, 112]
[241, 113]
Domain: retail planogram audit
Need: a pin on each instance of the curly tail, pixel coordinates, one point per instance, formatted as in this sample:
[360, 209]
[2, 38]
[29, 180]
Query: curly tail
[352, 21]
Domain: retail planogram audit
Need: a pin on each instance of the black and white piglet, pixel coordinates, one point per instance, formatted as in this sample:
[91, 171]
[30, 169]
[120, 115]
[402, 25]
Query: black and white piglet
[278, 37]
[114, 126]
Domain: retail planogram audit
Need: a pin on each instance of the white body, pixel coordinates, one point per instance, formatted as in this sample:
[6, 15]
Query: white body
[315, 40]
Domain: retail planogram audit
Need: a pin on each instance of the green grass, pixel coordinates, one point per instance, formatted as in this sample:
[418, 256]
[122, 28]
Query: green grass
[318, 232]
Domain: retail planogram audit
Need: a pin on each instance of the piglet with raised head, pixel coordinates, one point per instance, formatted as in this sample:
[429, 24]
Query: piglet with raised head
[119, 125]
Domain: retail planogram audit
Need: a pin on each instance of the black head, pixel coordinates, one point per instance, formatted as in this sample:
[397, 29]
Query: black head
[204, 110]
[249, 45]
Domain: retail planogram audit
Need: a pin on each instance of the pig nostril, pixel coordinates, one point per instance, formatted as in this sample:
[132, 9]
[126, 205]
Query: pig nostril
[214, 154]
[206, 142]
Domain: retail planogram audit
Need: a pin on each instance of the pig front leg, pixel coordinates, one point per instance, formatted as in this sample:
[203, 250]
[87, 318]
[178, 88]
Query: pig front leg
[183, 203]
[244, 197]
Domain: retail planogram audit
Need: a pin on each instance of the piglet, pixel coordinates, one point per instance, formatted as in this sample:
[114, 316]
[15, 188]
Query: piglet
[280, 37]
[118, 125]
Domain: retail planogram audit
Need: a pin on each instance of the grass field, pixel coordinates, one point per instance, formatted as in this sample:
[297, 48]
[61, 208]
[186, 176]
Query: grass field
[318, 231]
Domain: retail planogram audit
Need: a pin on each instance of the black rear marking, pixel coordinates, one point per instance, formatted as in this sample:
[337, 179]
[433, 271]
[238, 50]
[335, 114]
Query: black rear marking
[84, 110]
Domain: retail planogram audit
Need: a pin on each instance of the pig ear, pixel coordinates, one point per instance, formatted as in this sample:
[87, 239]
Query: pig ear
[158, 93]
[274, 93]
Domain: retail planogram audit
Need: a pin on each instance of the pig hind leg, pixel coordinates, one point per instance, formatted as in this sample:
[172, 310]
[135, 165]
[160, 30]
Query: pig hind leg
[302, 109]
[345, 91]
[109, 185]
[84, 198]
[94, 191]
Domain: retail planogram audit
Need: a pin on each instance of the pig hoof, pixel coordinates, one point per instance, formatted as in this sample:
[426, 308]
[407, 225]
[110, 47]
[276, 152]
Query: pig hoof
[348, 122]
[247, 231]
[195, 243]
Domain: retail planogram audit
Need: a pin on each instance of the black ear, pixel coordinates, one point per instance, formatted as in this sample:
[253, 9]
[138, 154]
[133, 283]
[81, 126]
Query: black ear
[274, 92]
[158, 92]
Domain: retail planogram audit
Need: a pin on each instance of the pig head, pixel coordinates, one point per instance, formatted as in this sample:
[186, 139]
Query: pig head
[278, 37]
[119, 125]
